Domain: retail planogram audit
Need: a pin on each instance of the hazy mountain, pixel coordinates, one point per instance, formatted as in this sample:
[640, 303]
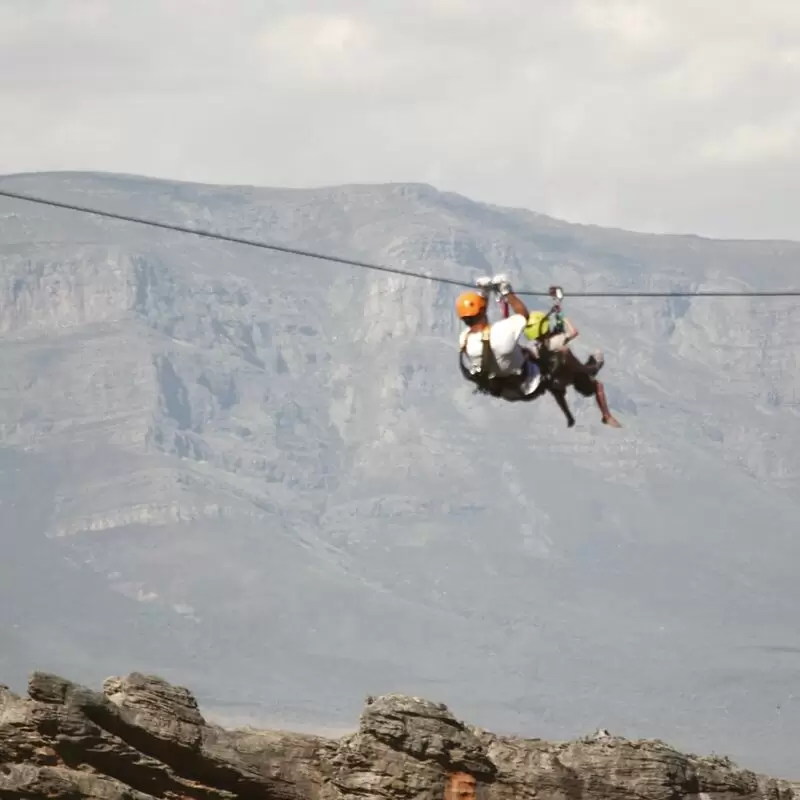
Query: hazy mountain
[219, 462]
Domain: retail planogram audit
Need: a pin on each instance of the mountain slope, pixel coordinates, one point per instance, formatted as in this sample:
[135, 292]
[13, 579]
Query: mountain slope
[219, 462]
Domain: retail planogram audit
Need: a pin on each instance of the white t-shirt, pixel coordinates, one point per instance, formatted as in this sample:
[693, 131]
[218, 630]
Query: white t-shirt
[503, 339]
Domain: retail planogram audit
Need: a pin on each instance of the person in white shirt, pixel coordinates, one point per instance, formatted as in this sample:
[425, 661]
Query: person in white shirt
[512, 372]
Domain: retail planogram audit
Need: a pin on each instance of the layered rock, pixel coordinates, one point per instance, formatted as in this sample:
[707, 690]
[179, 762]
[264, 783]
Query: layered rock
[143, 738]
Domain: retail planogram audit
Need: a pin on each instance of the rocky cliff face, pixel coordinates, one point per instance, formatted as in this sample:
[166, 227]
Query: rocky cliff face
[143, 738]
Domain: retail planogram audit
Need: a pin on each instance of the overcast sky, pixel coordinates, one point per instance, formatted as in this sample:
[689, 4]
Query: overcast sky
[660, 115]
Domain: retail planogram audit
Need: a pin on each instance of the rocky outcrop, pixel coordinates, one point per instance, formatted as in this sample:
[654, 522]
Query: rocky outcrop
[143, 738]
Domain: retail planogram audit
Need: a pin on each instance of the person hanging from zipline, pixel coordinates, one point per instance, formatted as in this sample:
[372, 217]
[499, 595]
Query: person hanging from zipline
[493, 357]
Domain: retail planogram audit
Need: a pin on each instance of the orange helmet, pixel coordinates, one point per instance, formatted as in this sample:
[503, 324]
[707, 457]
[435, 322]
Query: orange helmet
[470, 304]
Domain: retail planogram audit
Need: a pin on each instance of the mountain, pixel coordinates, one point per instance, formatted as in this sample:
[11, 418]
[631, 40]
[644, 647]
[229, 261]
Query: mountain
[222, 463]
[142, 738]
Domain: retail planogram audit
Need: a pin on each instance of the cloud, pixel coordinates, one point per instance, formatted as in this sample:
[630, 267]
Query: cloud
[662, 115]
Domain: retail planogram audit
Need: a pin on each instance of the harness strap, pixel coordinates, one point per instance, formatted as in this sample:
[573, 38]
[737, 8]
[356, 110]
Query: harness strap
[487, 379]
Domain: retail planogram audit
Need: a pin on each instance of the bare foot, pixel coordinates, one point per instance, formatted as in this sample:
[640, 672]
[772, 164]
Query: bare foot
[611, 421]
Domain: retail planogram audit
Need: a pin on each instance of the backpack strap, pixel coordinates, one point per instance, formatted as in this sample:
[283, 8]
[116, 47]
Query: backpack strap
[486, 378]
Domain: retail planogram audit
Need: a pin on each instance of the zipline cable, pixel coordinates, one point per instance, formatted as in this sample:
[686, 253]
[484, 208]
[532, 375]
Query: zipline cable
[224, 237]
[366, 265]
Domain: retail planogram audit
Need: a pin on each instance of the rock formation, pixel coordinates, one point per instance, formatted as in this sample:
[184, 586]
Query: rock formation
[143, 738]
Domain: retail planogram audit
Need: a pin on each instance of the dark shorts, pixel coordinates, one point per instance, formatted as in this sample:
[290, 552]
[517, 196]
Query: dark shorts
[580, 375]
[585, 384]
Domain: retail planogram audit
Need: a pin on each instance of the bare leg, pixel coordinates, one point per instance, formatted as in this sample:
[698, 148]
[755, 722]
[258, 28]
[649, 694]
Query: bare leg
[584, 379]
[600, 396]
[561, 398]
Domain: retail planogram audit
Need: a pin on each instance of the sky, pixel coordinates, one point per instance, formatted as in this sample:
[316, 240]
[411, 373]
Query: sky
[657, 115]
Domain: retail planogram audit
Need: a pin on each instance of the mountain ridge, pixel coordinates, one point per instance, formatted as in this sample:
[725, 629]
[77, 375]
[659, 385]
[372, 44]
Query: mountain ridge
[394, 185]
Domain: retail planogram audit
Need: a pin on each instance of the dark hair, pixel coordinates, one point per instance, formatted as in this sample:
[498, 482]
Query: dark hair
[475, 319]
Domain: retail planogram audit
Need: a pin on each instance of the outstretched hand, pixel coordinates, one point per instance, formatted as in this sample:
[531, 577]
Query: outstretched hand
[501, 284]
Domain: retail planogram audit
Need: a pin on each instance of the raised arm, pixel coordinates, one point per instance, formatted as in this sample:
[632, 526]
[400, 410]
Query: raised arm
[571, 331]
[504, 287]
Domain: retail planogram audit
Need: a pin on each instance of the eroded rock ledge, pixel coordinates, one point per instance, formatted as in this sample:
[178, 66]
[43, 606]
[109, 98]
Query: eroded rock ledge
[143, 738]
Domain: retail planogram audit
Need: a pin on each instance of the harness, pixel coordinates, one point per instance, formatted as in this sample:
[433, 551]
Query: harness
[541, 327]
[486, 378]
[558, 319]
